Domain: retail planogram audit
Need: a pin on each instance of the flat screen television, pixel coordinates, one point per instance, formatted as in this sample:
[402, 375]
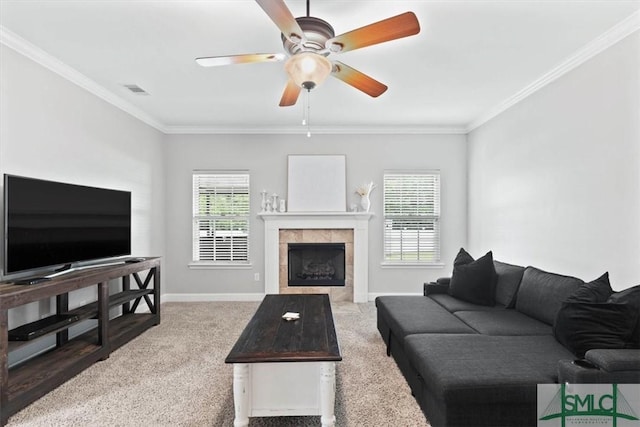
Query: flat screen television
[48, 224]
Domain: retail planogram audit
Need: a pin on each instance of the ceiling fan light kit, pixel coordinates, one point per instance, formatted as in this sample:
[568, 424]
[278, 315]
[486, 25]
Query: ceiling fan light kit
[308, 41]
[308, 69]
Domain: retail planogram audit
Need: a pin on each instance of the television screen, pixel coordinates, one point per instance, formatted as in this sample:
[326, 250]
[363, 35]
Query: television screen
[52, 223]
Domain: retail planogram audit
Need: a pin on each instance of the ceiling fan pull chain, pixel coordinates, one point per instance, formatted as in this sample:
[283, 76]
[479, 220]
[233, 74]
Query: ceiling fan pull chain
[304, 109]
[308, 108]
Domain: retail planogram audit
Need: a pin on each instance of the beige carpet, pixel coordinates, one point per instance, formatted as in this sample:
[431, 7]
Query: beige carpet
[174, 375]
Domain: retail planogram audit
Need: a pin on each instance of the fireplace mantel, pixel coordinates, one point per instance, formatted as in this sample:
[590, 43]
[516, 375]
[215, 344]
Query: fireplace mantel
[357, 221]
[270, 216]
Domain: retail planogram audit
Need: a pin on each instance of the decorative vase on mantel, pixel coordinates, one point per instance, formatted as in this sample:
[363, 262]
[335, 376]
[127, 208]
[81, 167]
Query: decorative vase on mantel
[364, 191]
[365, 202]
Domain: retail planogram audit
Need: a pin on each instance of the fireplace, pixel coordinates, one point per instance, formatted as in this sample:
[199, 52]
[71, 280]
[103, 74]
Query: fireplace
[351, 229]
[316, 264]
[320, 265]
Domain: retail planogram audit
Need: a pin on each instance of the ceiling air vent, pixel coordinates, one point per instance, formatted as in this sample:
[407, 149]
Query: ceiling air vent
[136, 89]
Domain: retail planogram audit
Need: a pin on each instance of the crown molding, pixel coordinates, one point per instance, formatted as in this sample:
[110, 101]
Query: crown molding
[621, 30]
[318, 130]
[20, 45]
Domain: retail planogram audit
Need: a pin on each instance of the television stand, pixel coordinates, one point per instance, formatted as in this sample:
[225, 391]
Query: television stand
[29, 380]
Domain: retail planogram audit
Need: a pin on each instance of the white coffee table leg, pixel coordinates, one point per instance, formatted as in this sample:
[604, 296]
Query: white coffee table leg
[327, 393]
[241, 394]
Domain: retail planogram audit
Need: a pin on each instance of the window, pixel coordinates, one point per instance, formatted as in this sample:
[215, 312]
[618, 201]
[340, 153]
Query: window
[221, 217]
[412, 217]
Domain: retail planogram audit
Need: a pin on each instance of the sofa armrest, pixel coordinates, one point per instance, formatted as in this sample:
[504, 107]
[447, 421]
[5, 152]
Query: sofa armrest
[435, 288]
[602, 366]
[615, 360]
[444, 281]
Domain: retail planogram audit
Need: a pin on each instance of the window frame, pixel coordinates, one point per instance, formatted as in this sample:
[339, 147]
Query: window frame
[196, 258]
[435, 218]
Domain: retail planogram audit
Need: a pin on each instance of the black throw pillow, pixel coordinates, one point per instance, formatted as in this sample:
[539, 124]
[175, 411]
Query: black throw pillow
[475, 281]
[462, 258]
[598, 290]
[583, 326]
[630, 297]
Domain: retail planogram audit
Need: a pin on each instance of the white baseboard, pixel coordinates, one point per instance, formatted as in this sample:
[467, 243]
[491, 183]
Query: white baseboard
[210, 297]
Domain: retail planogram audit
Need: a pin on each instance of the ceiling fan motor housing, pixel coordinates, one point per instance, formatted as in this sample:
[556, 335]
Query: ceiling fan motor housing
[316, 32]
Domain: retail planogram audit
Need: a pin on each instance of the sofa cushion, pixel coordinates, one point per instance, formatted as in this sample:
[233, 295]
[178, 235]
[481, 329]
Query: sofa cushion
[454, 304]
[509, 278]
[583, 326]
[503, 322]
[474, 282]
[477, 369]
[407, 315]
[541, 294]
[598, 290]
[631, 297]
[463, 257]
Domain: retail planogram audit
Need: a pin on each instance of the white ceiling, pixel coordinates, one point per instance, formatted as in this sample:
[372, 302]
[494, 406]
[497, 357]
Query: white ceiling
[470, 60]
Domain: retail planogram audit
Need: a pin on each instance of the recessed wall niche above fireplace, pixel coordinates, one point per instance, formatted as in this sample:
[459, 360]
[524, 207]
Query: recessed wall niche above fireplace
[316, 264]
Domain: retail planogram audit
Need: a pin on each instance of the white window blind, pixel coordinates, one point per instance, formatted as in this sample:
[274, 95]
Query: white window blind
[221, 217]
[412, 217]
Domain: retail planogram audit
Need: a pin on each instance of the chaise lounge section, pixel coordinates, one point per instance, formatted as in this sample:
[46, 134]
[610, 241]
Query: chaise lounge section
[471, 364]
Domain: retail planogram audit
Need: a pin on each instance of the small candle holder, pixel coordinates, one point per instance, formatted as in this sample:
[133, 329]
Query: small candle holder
[263, 202]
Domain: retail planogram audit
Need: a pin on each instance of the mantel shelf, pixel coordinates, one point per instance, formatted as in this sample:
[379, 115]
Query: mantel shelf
[266, 216]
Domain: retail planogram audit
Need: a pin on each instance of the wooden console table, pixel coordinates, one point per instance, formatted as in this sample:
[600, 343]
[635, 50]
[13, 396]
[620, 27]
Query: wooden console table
[32, 379]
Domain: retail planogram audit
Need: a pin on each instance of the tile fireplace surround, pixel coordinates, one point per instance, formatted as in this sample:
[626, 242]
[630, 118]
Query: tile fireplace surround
[319, 227]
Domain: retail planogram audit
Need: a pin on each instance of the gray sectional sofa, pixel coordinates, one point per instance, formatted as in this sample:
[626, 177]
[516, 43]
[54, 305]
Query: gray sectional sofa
[471, 364]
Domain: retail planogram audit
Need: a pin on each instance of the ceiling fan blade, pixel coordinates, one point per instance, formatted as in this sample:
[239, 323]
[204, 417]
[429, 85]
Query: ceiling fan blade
[290, 94]
[215, 61]
[357, 79]
[397, 27]
[282, 17]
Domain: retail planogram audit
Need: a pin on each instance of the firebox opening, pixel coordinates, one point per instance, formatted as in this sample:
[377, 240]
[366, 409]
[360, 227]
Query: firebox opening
[316, 264]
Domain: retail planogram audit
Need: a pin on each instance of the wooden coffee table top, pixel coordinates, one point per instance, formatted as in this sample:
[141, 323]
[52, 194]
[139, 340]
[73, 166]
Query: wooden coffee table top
[270, 338]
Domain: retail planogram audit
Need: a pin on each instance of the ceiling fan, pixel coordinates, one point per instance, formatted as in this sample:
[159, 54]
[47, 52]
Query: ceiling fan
[308, 41]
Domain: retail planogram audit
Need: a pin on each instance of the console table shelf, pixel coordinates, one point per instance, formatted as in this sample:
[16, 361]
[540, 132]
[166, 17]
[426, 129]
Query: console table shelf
[124, 328]
[36, 377]
[91, 310]
[22, 384]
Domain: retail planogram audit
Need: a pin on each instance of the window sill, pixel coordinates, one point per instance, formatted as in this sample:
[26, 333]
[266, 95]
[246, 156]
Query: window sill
[219, 266]
[385, 264]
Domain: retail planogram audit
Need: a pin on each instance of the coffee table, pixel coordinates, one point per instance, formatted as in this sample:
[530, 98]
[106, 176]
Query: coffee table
[286, 368]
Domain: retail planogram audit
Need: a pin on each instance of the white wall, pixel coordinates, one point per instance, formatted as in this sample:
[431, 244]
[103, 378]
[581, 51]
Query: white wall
[265, 156]
[554, 181]
[52, 129]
